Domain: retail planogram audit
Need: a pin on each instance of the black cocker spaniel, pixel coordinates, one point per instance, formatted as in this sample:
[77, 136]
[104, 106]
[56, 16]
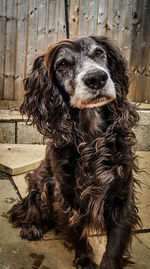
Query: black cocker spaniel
[76, 95]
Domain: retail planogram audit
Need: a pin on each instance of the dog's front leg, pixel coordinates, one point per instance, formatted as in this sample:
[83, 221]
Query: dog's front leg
[83, 251]
[118, 239]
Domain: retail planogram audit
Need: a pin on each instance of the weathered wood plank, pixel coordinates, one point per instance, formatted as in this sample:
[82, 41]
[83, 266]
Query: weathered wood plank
[2, 45]
[111, 16]
[31, 48]
[61, 21]
[41, 28]
[102, 17]
[144, 61]
[136, 93]
[83, 18]
[52, 22]
[127, 29]
[73, 18]
[92, 20]
[10, 54]
[22, 12]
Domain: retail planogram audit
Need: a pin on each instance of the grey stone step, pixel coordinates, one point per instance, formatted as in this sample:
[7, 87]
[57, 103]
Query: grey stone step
[19, 158]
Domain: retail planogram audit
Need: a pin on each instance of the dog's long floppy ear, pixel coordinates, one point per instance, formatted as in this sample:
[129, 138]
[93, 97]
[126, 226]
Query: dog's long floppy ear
[116, 63]
[36, 85]
[43, 103]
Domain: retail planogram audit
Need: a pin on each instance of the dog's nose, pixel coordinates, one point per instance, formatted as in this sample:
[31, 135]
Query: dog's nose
[95, 80]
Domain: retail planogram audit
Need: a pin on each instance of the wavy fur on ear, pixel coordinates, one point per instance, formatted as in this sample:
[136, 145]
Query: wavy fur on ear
[44, 105]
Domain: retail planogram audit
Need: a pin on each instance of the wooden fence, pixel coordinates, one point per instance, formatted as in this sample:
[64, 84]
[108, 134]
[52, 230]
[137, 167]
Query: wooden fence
[28, 27]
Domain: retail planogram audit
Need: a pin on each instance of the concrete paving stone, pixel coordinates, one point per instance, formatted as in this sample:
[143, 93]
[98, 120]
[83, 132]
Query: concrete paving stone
[7, 132]
[16, 159]
[145, 239]
[144, 214]
[144, 164]
[143, 106]
[28, 134]
[143, 196]
[144, 117]
[13, 105]
[142, 135]
[21, 184]
[140, 254]
[11, 116]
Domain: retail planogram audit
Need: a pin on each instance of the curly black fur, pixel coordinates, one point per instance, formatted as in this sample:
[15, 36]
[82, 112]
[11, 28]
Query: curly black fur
[85, 182]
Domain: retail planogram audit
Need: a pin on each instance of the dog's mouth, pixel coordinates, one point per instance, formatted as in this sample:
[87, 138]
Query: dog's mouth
[97, 101]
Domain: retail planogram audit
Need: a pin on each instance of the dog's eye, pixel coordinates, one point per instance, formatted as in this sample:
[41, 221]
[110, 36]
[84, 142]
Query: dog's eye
[98, 52]
[63, 64]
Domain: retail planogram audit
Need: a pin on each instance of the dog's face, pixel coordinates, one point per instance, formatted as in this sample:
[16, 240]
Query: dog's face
[80, 67]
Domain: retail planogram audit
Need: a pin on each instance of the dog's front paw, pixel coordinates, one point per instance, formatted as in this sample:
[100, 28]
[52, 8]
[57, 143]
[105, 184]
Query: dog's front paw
[31, 233]
[84, 262]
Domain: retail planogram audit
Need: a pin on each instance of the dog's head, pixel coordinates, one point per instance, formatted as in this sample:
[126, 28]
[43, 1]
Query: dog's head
[83, 73]
[83, 68]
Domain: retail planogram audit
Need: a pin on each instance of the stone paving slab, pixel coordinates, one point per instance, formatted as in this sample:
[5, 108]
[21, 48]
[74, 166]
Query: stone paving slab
[21, 184]
[144, 117]
[7, 132]
[144, 164]
[16, 159]
[11, 116]
[145, 239]
[141, 255]
[142, 133]
[28, 134]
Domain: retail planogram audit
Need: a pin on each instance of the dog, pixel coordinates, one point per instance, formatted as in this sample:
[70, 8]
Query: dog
[76, 95]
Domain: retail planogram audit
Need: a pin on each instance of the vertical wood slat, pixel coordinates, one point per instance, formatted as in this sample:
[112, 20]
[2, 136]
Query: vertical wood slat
[73, 18]
[127, 29]
[10, 50]
[31, 46]
[144, 65]
[28, 27]
[109, 27]
[52, 22]
[92, 20]
[41, 28]
[102, 17]
[61, 21]
[136, 93]
[22, 9]
[2, 45]
[83, 18]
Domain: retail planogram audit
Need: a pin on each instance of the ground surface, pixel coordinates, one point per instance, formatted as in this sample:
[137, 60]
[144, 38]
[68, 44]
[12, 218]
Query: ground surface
[50, 252]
